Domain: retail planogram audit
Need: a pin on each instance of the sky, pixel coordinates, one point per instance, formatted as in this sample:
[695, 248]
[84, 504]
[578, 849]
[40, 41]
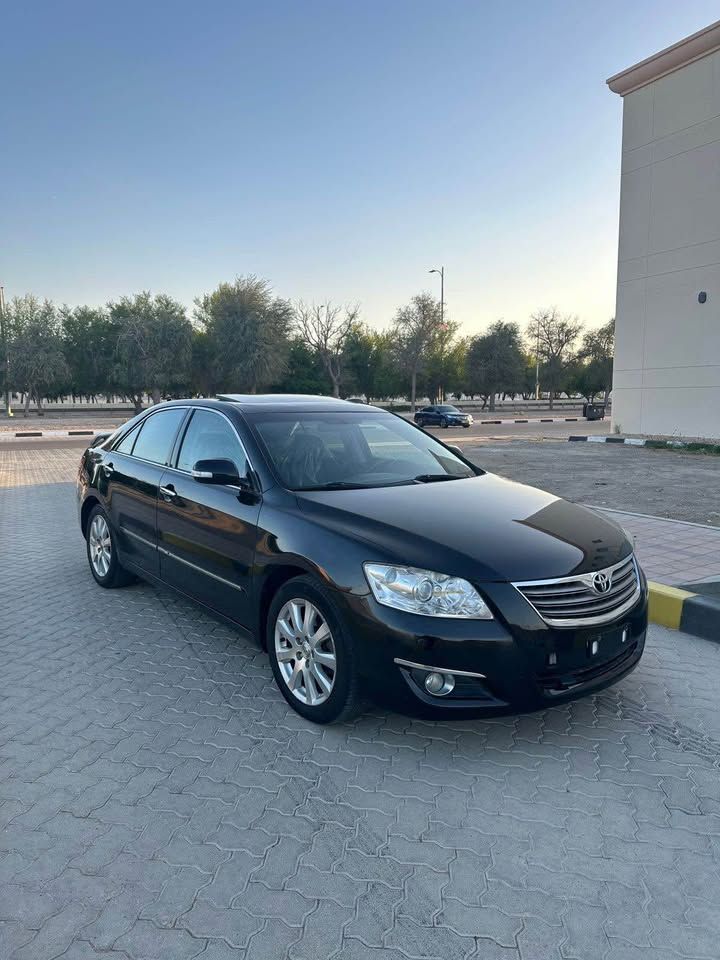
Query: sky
[339, 148]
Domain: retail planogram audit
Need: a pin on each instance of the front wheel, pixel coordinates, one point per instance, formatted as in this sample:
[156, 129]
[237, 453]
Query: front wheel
[311, 654]
[102, 553]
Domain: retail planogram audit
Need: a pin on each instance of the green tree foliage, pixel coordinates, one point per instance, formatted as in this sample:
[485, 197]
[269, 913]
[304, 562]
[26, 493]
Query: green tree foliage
[152, 346]
[495, 362]
[37, 362]
[594, 368]
[201, 364]
[367, 359]
[415, 330]
[553, 337]
[444, 365]
[248, 332]
[88, 347]
[304, 371]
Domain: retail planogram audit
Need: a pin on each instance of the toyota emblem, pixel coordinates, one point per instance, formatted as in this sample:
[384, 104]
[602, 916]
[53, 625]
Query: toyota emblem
[601, 582]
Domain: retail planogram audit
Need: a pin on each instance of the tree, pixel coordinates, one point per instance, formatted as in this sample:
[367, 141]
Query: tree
[152, 346]
[495, 362]
[37, 362]
[201, 363]
[325, 328]
[304, 372]
[444, 365]
[366, 358]
[88, 349]
[553, 337]
[248, 332]
[415, 328]
[596, 357]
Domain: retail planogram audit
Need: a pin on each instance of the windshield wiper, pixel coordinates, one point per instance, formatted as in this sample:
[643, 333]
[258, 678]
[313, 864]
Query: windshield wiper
[437, 477]
[337, 485]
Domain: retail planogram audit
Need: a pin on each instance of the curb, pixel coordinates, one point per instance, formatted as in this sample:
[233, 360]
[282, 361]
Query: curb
[685, 611]
[534, 420]
[20, 434]
[631, 441]
[701, 446]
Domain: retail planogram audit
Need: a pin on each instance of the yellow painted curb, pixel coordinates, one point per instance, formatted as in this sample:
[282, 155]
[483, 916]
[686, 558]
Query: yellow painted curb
[666, 604]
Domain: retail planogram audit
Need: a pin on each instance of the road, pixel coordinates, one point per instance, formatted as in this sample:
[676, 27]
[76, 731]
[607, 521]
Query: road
[158, 799]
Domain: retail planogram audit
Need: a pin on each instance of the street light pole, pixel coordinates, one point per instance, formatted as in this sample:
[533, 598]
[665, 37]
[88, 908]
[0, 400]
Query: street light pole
[441, 271]
[537, 362]
[5, 337]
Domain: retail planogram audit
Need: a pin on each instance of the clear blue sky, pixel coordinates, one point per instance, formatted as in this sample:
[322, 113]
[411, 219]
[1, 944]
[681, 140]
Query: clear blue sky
[338, 148]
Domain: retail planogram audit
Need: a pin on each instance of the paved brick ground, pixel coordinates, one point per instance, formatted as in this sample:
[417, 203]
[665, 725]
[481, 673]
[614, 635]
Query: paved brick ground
[672, 551]
[158, 800]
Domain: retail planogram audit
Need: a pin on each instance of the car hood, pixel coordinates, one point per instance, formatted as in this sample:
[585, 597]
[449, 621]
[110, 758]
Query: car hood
[480, 528]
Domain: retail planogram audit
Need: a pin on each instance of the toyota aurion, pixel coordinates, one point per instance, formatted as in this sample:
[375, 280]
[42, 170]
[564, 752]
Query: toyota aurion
[367, 558]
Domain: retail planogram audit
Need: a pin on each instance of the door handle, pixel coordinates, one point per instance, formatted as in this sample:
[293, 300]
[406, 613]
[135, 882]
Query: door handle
[168, 492]
[108, 469]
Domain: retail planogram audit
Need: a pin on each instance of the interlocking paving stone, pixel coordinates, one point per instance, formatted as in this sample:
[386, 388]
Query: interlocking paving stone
[158, 799]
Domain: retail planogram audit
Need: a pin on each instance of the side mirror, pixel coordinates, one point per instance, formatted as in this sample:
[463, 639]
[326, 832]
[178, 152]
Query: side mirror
[222, 472]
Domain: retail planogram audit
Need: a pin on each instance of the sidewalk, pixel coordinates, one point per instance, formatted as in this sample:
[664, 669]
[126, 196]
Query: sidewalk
[682, 563]
[674, 552]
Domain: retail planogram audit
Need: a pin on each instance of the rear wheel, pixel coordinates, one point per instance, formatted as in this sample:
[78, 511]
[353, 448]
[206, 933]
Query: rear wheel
[101, 552]
[311, 654]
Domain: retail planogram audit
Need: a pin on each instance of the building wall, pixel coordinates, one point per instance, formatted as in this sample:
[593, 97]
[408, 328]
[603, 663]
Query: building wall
[667, 360]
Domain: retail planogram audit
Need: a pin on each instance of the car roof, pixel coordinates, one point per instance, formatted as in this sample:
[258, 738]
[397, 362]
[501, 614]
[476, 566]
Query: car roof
[274, 401]
[299, 401]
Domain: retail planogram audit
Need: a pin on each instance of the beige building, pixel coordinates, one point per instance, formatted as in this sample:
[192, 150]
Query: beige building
[667, 360]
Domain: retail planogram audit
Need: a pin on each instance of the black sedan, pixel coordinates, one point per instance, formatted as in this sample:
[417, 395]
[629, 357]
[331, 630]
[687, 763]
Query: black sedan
[367, 557]
[442, 415]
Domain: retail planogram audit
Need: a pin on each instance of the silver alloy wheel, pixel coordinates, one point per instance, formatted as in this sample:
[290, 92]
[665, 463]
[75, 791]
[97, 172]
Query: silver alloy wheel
[99, 544]
[305, 652]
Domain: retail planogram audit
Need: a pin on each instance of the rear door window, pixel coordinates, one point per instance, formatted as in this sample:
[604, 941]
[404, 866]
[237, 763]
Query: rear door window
[157, 435]
[126, 444]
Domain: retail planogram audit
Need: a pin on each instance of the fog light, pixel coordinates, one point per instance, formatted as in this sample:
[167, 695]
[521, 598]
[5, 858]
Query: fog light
[439, 684]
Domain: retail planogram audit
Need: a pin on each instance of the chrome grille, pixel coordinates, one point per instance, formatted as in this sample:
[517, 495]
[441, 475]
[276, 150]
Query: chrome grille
[587, 599]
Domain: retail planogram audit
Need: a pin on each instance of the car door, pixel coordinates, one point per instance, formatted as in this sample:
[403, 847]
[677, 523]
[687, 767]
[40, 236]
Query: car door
[132, 472]
[207, 532]
[431, 415]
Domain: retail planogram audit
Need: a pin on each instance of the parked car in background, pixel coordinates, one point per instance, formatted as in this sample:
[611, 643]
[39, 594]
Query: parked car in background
[442, 415]
[366, 557]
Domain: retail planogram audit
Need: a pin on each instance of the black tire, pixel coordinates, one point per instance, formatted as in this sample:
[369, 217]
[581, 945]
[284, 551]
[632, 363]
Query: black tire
[444, 423]
[115, 575]
[344, 701]
[420, 422]
[467, 426]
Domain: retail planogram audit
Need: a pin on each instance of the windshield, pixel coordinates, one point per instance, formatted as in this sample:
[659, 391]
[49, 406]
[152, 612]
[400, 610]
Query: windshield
[327, 450]
[447, 408]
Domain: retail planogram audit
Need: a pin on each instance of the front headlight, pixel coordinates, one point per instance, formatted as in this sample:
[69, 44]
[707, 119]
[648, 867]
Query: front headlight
[425, 592]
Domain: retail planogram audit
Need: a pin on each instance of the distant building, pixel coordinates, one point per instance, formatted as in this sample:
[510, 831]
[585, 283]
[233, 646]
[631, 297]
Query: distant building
[667, 360]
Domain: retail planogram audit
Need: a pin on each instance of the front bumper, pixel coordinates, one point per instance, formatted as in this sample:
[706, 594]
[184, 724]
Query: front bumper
[513, 664]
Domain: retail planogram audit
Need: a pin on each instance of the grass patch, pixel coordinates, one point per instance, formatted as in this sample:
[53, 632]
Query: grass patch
[693, 446]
